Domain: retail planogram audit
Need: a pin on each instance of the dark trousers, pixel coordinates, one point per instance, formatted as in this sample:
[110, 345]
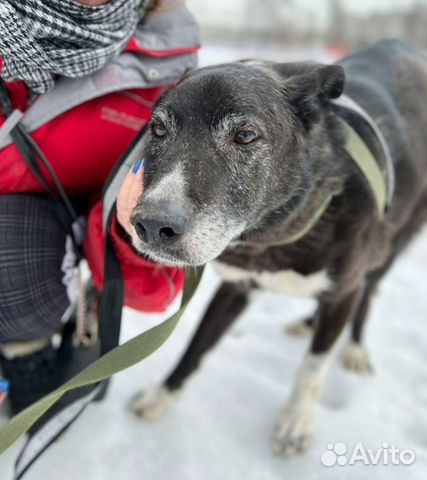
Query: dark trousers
[33, 296]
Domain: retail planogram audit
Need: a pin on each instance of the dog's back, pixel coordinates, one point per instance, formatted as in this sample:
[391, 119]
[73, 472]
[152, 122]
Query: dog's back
[388, 80]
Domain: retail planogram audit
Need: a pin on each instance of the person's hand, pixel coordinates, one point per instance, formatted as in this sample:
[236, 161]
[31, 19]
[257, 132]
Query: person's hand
[129, 194]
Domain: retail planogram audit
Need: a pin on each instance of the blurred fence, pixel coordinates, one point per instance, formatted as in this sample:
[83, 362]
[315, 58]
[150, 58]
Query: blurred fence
[347, 23]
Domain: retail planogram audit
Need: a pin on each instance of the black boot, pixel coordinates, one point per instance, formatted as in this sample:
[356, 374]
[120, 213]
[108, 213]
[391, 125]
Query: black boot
[30, 377]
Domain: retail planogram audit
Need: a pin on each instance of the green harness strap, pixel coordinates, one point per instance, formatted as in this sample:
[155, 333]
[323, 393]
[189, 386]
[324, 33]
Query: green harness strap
[136, 349]
[118, 359]
[309, 225]
[363, 158]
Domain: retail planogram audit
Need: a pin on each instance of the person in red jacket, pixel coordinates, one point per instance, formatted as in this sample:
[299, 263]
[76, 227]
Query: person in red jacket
[81, 77]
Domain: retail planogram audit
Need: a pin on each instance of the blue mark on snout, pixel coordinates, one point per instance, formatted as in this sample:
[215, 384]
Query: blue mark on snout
[4, 385]
[140, 163]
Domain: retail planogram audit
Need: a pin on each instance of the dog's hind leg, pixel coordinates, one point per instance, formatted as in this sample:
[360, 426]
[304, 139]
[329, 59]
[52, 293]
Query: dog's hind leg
[354, 356]
[227, 304]
[295, 426]
[301, 328]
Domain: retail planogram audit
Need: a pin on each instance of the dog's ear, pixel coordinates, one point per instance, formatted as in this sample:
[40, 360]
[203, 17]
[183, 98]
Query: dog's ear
[306, 85]
[325, 81]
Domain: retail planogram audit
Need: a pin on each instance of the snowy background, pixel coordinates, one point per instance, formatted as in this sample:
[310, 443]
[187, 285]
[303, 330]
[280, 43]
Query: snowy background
[221, 427]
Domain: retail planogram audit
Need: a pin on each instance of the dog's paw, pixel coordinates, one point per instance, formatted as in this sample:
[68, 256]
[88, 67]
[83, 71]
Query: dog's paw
[299, 329]
[355, 358]
[294, 432]
[153, 403]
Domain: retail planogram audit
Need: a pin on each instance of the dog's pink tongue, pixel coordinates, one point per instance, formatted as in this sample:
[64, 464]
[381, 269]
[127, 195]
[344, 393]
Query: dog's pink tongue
[129, 194]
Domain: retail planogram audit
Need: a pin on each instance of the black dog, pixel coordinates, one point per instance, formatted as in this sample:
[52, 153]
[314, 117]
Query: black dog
[241, 158]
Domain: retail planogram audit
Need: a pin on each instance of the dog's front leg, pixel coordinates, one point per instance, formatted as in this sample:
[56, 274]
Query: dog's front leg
[294, 429]
[228, 303]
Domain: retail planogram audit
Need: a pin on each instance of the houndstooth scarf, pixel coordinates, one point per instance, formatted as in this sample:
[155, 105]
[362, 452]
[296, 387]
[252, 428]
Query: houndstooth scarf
[40, 39]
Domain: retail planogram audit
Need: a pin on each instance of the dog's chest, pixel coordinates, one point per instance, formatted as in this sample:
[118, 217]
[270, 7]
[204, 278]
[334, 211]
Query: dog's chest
[284, 281]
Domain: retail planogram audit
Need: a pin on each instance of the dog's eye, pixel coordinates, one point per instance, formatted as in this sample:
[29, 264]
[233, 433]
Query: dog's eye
[158, 130]
[243, 137]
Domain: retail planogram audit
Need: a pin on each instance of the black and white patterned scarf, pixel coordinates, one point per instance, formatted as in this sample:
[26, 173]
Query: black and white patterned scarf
[40, 39]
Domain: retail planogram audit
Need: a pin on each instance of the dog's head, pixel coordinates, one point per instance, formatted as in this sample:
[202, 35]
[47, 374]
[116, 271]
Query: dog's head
[226, 147]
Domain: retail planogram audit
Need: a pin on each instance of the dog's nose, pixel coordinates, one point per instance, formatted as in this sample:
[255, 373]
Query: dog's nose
[160, 224]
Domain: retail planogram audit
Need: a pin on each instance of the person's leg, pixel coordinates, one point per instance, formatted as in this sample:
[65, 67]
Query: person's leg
[33, 297]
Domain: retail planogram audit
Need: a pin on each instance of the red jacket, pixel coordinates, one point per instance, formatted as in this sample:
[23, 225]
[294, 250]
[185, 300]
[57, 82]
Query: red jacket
[83, 143]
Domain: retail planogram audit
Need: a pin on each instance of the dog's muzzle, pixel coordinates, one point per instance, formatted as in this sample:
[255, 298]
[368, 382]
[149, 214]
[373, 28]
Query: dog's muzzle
[160, 223]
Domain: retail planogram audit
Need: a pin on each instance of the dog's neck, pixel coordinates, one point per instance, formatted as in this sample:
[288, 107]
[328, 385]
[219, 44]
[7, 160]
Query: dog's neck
[302, 209]
[280, 226]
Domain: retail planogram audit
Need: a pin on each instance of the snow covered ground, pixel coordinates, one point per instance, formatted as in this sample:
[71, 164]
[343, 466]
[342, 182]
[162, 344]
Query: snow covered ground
[221, 427]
